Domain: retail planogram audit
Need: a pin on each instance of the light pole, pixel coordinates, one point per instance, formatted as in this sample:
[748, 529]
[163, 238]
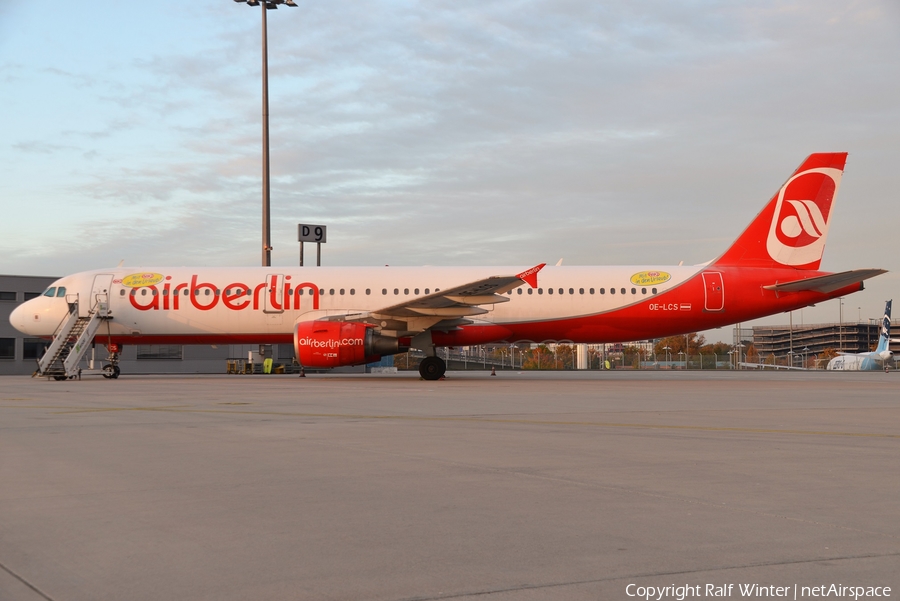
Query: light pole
[667, 349]
[805, 357]
[266, 225]
[685, 359]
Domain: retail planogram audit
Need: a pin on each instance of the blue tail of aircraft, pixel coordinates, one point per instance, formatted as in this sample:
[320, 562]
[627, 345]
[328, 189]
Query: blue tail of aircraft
[885, 338]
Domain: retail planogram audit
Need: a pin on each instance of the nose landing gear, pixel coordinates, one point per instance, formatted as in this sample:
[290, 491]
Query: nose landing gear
[111, 370]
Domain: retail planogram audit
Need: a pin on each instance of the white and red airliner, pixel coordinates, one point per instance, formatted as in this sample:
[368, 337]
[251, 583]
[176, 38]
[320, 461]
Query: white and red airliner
[352, 315]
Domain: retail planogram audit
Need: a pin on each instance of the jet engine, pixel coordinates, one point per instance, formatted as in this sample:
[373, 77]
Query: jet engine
[886, 355]
[335, 343]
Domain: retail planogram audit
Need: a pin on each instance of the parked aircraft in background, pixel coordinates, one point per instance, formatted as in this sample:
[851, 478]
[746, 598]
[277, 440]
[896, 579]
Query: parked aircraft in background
[878, 359]
[352, 315]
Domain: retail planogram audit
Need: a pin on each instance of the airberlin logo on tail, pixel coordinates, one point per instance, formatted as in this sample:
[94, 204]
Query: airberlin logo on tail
[802, 213]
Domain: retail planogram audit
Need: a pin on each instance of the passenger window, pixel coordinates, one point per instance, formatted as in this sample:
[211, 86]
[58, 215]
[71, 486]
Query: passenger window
[592, 290]
[331, 291]
[50, 291]
[643, 291]
[653, 291]
[396, 291]
[519, 290]
[549, 290]
[426, 291]
[540, 290]
[572, 291]
[623, 291]
[122, 292]
[342, 292]
[611, 290]
[581, 291]
[561, 291]
[153, 292]
[416, 290]
[352, 291]
[406, 291]
[143, 292]
[60, 292]
[384, 290]
[634, 290]
[368, 291]
[321, 292]
[207, 292]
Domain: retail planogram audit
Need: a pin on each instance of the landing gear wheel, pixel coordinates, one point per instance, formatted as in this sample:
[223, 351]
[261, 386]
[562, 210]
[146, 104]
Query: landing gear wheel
[110, 371]
[432, 368]
[60, 378]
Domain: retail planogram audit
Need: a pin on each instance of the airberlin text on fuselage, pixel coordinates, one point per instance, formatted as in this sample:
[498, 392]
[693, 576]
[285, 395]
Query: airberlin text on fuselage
[235, 296]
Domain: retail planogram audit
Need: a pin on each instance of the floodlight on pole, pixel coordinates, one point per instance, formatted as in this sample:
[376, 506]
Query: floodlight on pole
[266, 220]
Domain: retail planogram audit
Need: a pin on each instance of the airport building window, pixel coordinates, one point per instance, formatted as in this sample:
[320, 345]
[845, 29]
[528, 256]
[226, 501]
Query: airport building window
[33, 348]
[31, 295]
[159, 351]
[7, 296]
[7, 348]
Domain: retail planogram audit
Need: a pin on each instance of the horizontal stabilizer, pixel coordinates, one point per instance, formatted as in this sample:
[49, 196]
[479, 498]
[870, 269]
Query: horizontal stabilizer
[827, 283]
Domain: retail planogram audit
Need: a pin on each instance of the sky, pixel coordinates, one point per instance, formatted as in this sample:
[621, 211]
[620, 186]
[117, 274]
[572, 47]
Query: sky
[443, 132]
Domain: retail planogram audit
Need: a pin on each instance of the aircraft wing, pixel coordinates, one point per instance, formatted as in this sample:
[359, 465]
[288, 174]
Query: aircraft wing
[826, 283]
[461, 301]
[444, 310]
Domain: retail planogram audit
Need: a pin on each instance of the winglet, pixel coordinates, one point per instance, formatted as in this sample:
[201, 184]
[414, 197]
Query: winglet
[529, 276]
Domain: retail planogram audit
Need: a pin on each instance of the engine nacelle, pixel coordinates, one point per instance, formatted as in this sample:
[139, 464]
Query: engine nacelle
[886, 355]
[336, 343]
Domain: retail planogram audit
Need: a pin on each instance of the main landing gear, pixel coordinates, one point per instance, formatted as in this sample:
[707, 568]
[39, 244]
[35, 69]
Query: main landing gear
[432, 368]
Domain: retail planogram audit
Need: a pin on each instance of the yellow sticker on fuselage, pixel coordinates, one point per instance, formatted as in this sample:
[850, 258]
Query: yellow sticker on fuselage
[650, 278]
[139, 280]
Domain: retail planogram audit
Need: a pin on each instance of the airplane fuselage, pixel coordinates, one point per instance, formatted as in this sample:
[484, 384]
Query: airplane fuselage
[261, 305]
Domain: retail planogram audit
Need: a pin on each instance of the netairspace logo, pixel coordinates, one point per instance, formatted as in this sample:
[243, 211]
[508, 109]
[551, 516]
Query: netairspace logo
[795, 591]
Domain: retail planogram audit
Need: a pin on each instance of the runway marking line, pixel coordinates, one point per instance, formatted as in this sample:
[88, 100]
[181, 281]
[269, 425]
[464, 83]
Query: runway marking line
[486, 420]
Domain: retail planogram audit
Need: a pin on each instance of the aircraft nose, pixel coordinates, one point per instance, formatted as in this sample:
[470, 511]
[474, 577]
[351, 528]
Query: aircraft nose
[23, 318]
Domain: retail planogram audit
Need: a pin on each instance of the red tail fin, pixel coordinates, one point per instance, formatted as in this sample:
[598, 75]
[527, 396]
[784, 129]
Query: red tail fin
[791, 230]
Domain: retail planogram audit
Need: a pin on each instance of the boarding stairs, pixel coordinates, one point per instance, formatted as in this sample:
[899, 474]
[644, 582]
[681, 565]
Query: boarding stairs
[73, 339]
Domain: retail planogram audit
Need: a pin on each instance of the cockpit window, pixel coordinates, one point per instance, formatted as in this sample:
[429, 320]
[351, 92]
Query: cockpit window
[60, 292]
[50, 291]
